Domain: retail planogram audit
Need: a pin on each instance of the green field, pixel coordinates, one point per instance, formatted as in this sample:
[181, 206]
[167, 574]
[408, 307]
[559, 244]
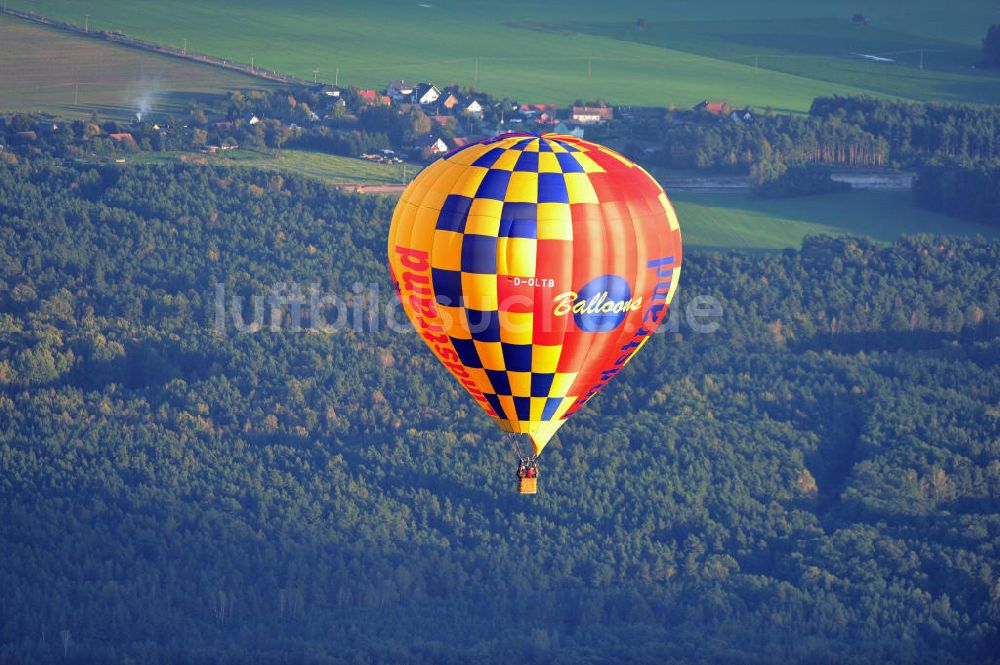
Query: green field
[828, 49]
[43, 69]
[331, 169]
[561, 51]
[740, 221]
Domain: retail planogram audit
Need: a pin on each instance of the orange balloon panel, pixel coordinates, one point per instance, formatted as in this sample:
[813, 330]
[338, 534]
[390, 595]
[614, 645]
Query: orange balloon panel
[534, 267]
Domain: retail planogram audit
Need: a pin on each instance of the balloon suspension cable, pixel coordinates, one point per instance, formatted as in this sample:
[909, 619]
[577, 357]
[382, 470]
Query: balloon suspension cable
[521, 457]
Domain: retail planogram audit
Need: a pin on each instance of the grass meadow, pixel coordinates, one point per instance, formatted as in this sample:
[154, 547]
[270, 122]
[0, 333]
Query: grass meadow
[331, 169]
[739, 221]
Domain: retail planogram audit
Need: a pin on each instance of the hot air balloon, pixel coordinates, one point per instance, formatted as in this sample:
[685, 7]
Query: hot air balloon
[534, 267]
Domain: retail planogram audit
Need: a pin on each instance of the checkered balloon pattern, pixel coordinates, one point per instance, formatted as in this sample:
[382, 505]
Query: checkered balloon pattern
[534, 267]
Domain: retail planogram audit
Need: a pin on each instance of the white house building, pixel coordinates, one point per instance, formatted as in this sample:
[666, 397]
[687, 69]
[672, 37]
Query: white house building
[437, 146]
[475, 109]
[426, 93]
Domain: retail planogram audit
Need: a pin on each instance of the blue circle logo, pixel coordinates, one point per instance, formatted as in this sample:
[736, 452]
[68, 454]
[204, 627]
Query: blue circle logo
[602, 303]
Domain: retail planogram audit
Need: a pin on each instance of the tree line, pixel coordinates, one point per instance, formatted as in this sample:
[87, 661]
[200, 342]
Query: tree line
[918, 133]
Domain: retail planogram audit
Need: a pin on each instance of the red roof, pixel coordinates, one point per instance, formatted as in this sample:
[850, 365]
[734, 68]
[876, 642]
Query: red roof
[538, 107]
[368, 95]
[122, 137]
[459, 141]
[441, 119]
[715, 108]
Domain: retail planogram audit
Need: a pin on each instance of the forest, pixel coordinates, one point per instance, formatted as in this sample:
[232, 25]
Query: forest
[815, 481]
[917, 132]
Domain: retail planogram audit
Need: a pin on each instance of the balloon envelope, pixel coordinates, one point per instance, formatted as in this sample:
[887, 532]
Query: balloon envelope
[534, 267]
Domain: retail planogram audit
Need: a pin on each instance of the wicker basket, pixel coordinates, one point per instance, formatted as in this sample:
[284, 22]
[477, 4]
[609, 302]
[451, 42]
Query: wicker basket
[528, 485]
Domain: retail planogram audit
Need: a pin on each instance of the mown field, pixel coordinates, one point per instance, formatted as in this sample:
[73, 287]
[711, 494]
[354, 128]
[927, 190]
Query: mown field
[43, 69]
[743, 222]
[562, 51]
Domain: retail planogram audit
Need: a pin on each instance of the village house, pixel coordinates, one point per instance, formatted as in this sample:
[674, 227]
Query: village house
[426, 93]
[535, 109]
[590, 115]
[435, 146]
[715, 108]
[398, 90]
[474, 108]
[123, 138]
[450, 101]
[372, 97]
[328, 90]
[744, 115]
